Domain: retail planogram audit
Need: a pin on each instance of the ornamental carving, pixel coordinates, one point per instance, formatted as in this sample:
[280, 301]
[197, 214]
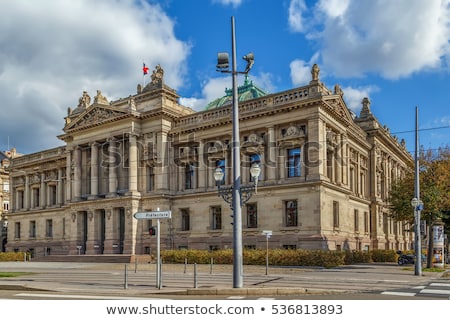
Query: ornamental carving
[98, 115]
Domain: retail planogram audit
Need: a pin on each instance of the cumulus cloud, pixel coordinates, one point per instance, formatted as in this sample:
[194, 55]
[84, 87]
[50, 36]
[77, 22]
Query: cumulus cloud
[391, 38]
[50, 51]
[234, 3]
[295, 18]
[354, 96]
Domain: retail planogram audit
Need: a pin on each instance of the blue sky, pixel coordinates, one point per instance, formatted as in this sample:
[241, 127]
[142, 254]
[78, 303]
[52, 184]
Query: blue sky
[394, 52]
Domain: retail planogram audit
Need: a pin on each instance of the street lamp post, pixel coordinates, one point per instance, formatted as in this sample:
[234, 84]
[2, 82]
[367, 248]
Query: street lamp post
[417, 204]
[234, 194]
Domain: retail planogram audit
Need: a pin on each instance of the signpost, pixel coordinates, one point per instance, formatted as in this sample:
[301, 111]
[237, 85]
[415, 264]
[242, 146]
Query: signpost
[268, 234]
[146, 215]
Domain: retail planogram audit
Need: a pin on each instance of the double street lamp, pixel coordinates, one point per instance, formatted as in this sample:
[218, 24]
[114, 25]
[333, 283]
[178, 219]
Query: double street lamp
[237, 194]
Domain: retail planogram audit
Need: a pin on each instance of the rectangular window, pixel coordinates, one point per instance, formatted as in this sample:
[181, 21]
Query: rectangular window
[36, 196]
[335, 214]
[220, 164]
[189, 176]
[6, 186]
[20, 199]
[17, 230]
[289, 247]
[356, 219]
[293, 162]
[49, 228]
[366, 222]
[5, 206]
[252, 215]
[216, 218]
[150, 178]
[52, 190]
[185, 220]
[32, 229]
[291, 213]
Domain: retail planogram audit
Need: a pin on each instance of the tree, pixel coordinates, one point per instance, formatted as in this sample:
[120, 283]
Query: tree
[434, 180]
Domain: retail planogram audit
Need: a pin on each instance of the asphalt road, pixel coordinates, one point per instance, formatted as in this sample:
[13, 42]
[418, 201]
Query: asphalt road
[118, 281]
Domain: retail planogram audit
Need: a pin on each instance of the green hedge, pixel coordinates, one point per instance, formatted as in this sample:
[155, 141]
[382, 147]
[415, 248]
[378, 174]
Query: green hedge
[280, 257]
[12, 256]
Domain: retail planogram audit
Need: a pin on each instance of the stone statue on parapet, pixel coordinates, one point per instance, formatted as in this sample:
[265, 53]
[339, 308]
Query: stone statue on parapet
[157, 75]
[84, 101]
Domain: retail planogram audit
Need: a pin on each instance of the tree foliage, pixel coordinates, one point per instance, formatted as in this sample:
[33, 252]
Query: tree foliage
[434, 187]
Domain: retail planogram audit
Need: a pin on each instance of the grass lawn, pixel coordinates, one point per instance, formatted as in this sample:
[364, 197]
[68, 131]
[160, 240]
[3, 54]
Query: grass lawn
[13, 274]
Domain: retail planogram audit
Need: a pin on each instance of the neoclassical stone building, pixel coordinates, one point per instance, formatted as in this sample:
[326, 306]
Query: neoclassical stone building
[324, 182]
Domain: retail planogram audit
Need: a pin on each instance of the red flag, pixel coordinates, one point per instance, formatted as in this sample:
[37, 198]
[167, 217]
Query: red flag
[145, 69]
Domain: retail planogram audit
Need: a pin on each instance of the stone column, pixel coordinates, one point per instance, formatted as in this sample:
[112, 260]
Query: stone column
[91, 232]
[59, 189]
[42, 193]
[26, 193]
[94, 170]
[161, 176]
[133, 165]
[77, 173]
[270, 160]
[68, 175]
[210, 172]
[112, 189]
[339, 160]
[202, 167]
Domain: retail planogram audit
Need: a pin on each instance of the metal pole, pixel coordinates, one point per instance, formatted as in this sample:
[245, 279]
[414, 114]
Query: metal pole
[125, 285]
[267, 255]
[158, 255]
[236, 167]
[417, 238]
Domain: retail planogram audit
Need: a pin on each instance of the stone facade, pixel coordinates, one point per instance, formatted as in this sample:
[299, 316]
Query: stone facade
[325, 176]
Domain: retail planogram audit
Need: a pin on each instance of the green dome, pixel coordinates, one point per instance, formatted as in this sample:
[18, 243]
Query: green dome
[247, 91]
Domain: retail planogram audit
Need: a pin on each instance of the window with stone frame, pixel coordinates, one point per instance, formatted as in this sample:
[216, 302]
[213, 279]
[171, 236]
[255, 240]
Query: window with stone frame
[216, 218]
[36, 197]
[294, 162]
[252, 215]
[49, 228]
[189, 172]
[150, 178]
[221, 164]
[185, 219]
[17, 230]
[335, 214]
[291, 213]
[366, 222]
[356, 219]
[32, 229]
[20, 199]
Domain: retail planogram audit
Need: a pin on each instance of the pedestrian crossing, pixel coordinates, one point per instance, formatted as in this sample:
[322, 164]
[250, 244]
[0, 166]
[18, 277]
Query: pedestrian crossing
[435, 289]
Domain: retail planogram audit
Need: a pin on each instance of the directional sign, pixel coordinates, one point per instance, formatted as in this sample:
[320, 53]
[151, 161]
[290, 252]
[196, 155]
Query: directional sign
[153, 215]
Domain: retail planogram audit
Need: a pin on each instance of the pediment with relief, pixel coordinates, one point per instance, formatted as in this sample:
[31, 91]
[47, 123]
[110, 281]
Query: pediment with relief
[339, 109]
[94, 116]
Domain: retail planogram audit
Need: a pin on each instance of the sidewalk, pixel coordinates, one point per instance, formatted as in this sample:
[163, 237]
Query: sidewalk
[140, 280]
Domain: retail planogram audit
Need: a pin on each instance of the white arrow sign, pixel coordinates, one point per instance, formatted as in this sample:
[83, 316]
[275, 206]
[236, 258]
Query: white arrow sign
[153, 215]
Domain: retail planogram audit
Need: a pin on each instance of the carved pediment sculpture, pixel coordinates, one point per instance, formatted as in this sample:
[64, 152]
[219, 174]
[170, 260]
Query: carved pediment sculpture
[95, 116]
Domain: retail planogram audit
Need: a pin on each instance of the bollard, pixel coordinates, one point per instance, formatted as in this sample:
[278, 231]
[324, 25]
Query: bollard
[24, 257]
[185, 264]
[195, 275]
[135, 264]
[125, 285]
[211, 266]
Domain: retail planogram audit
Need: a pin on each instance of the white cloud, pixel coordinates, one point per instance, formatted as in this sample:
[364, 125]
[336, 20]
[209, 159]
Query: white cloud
[391, 38]
[50, 51]
[300, 72]
[234, 3]
[295, 18]
[354, 96]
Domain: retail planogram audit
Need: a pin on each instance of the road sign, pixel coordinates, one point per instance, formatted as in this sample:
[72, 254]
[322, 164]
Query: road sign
[153, 215]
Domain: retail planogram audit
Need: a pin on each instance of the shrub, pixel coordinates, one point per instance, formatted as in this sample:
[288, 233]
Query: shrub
[12, 256]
